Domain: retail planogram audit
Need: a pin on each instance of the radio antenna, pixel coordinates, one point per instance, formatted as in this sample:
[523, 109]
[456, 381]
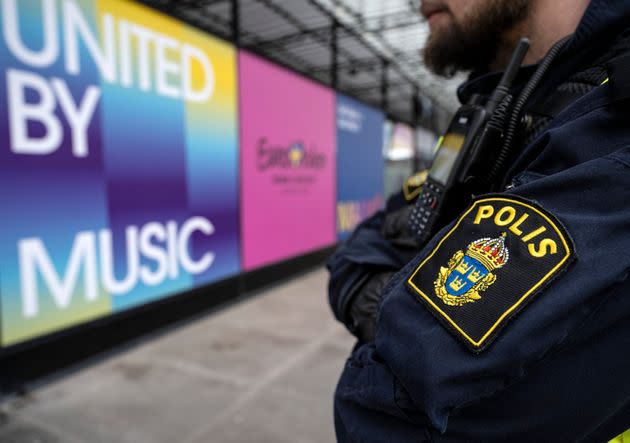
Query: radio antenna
[509, 75]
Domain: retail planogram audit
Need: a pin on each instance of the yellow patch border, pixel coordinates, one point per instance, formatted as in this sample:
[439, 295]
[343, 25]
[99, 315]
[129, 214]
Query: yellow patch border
[478, 344]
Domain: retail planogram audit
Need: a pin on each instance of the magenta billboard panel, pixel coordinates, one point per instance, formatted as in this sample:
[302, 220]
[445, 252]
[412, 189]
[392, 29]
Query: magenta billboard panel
[287, 137]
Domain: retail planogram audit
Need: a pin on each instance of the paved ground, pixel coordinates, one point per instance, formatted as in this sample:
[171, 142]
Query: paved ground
[260, 371]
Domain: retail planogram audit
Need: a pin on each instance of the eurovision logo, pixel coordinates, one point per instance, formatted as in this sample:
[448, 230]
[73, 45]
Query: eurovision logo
[293, 156]
[293, 168]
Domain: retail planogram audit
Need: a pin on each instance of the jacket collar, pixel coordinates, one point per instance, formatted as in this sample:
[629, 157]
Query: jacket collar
[603, 20]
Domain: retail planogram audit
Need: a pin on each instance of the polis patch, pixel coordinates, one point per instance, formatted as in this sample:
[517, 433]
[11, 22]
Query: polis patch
[498, 256]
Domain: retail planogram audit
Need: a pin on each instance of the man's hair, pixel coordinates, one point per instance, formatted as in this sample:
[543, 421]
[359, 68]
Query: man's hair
[475, 42]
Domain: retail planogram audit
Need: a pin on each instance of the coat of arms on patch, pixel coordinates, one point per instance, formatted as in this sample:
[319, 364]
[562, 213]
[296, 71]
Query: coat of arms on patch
[468, 274]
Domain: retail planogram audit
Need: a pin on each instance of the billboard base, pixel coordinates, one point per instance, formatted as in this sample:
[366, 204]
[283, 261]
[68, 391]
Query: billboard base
[69, 350]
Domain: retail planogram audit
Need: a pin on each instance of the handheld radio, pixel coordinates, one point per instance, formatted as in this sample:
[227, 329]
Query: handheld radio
[467, 138]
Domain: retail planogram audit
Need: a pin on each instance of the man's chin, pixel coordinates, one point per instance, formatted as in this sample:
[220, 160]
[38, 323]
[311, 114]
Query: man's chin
[472, 42]
[438, 52]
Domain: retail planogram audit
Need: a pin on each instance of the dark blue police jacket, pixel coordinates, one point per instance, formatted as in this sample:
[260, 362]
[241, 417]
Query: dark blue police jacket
[536, 349]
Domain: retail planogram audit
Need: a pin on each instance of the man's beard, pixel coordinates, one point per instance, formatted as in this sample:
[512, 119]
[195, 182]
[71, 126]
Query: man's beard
[475, 43]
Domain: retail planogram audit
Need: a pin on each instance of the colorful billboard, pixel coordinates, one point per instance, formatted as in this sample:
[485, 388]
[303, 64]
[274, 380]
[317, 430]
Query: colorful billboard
[118, 161]
[287, 163]
[360, 163]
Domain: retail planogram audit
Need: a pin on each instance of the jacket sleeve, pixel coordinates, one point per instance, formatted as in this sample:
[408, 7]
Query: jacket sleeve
[365, 253]
[554, 372]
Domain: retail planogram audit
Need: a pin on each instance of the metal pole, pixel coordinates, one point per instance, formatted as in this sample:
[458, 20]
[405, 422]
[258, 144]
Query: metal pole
[384, 84]
[236, 22]
[416, 113]
[334, 54]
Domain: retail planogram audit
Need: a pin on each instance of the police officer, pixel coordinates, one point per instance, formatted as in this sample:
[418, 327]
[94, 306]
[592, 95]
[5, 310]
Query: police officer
[512, 321]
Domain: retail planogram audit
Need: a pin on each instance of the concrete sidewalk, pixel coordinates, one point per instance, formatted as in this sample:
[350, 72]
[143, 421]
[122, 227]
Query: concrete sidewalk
[263, 370]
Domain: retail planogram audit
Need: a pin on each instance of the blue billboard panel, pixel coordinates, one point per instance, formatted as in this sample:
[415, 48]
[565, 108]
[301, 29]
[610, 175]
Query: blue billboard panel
[360, 163]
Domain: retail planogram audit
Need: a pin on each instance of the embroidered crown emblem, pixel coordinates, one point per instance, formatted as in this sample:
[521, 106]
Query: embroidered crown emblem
[468, 274]
[491, 252]
[457, 284]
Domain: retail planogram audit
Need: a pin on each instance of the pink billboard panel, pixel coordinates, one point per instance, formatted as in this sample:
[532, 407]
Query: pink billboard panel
[287, 138]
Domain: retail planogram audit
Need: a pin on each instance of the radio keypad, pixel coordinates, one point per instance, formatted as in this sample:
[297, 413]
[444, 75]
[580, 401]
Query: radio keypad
[425, 210]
